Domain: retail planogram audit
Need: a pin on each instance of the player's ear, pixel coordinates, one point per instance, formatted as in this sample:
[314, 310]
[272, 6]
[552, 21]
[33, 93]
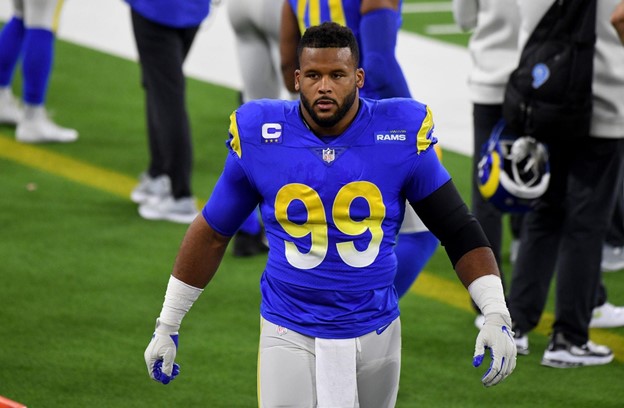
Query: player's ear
[359, 77]
[297, 76]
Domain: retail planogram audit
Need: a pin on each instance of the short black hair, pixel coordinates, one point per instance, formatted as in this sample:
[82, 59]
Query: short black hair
[330, 35]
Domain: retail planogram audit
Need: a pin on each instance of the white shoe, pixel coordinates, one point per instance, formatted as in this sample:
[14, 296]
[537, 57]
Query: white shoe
[607, 316]
[513, 250]
[10, 109]
[522, 343]
[36, 127]
[182, 210]
[151, 188]
[612, 258]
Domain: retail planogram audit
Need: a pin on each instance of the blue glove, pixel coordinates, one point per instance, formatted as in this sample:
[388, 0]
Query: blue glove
[161, 352]
[496, 335]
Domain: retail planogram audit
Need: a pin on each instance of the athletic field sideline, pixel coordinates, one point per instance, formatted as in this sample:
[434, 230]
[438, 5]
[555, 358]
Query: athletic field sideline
[451, 293]
[82, 276]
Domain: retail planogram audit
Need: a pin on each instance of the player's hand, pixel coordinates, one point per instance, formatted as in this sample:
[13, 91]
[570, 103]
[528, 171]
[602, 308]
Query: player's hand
[161, 352]
[496, 335]
[617, 19]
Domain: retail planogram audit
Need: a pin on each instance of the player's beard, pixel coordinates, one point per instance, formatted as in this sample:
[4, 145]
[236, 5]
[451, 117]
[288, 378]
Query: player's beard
[328, 122]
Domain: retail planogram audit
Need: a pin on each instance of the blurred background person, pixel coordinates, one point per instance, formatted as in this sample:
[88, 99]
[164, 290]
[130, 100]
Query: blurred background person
[164, 31]
[605, 314]
[256, 25]
[613, 247]
[30, 35]
[566, 230]
[493, 48]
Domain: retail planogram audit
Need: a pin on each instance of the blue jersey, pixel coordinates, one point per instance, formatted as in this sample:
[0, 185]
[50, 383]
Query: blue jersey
[173, 13]
[344, 12]
[331, 208]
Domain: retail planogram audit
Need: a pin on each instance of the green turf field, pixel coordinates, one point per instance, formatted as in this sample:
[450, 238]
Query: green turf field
[82, 276]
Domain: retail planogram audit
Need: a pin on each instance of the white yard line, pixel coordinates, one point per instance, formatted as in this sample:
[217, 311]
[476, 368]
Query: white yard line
[443, 29]
[433, 7]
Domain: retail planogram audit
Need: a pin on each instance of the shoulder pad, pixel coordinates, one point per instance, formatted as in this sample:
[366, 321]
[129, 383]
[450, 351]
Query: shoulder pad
[416, 115]
[248, 122]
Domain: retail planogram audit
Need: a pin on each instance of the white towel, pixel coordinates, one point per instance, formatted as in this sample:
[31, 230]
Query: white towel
[336, 384]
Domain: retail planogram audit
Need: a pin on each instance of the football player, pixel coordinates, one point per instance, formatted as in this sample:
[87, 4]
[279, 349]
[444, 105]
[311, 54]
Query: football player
[30, 34]
[332, 173]
[375, 24]
[256, 25]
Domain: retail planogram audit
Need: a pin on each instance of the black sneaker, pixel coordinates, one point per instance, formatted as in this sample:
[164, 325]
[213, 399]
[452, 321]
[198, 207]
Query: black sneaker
[249, 245]
[562, 353]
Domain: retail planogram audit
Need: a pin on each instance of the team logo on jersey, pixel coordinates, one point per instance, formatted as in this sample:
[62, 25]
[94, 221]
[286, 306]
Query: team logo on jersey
[329, 155]
[272, 133]
[390, 136]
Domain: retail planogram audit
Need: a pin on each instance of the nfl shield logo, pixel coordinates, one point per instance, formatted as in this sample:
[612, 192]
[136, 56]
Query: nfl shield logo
[329, 155]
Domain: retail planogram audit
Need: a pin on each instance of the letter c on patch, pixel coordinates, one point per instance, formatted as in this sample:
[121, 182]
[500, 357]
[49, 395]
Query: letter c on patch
[271, 130]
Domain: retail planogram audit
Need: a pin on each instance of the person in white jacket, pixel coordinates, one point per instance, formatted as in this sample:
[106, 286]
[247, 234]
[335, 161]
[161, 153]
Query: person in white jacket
[566, 230]
[493, 48]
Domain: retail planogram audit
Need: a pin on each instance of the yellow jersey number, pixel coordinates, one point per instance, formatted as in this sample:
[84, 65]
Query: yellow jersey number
[316, 223]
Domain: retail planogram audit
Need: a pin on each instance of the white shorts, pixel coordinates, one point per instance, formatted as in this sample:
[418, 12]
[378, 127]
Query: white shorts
[287, 367]
[256, 24]
[38, 13]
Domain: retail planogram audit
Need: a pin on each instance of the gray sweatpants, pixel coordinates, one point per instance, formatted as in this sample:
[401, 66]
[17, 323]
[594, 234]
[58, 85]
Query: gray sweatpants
[286, 367]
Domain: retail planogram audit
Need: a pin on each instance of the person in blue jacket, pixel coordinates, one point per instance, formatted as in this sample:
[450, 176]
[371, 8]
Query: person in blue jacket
[164, 32]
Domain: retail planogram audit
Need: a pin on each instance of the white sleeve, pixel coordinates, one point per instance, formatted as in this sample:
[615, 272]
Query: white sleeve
[465, 13]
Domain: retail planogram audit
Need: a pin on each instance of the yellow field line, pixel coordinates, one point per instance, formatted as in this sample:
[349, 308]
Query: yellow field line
[427, 285]
[66, 167]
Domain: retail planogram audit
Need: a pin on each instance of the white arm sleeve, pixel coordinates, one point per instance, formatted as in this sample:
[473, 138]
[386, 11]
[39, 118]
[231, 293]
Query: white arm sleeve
[178, 301]
[487, 293]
